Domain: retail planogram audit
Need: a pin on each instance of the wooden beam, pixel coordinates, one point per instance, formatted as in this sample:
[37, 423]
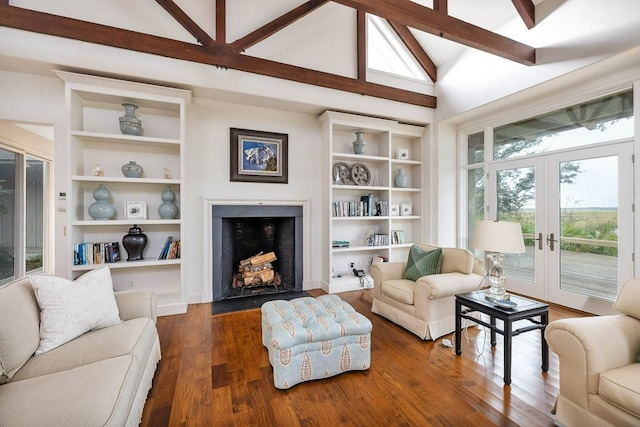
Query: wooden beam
[361, 44]
[218, 54]
[527, 11]
[276, 25]
[221, 21]
[413, 15]
[188, 23]
[416, 50]
[441, 6]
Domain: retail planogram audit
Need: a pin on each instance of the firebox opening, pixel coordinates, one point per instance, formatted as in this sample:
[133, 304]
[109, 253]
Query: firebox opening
[271, 236]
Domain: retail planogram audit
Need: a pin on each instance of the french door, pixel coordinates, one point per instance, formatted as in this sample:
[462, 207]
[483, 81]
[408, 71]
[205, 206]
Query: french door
[575, 208]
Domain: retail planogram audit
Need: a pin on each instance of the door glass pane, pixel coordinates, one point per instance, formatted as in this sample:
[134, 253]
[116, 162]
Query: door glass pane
[516, 192]
[34, 197]
[589, 224]
[7, 215]
[599, 120]
[475, 203]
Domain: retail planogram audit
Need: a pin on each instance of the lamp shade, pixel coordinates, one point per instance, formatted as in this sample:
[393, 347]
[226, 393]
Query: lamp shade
[498, 236]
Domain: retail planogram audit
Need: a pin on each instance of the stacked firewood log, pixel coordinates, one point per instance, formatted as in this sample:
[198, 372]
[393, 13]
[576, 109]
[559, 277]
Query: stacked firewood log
[256, 271]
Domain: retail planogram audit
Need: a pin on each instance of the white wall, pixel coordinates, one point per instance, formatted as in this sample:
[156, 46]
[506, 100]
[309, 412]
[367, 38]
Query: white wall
[569, 35]
[207, 176]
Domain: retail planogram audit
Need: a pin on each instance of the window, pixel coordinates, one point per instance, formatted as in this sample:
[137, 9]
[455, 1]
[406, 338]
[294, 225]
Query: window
[603, 119]
[24, 201]
[475, 181]
[386, 52]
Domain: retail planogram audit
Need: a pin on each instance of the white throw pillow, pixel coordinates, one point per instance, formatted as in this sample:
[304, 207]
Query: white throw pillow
[69, 309]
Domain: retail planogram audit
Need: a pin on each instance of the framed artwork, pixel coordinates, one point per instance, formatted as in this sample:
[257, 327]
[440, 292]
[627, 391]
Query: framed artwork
[258, 156]
[406, 209]
[135, 210]
[403, 153]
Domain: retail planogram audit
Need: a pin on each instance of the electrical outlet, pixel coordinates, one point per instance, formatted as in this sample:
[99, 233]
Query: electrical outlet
[130, 284]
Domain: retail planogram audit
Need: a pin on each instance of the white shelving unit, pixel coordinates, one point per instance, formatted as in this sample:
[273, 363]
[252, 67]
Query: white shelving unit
[384, 139]
[93, 106]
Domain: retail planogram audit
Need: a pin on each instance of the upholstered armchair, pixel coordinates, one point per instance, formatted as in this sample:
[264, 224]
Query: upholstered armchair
[426, 305]
[599, 369]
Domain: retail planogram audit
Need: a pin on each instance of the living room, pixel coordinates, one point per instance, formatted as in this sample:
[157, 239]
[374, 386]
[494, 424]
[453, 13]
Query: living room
[584, 50]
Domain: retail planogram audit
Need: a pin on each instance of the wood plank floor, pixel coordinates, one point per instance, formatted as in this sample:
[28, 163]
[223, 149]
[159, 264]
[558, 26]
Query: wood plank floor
[215, 372]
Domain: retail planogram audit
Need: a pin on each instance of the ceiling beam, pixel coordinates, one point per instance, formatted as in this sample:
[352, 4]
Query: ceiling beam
[188, 23]
[221, 21]
[413, 15]
[218, 54]
[276, 25]
[527, 11]
[441, 6]
[416, 50]
[361, 44]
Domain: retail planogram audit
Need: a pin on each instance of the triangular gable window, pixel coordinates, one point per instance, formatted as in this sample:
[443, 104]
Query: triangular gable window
[387, 53]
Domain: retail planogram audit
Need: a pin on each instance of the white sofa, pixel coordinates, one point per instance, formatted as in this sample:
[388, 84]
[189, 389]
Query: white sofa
[425, 307]
[599, 373]
[100, 378]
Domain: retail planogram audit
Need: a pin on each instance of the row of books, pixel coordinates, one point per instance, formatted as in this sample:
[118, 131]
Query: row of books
[376, 239]
[360, 208]
[170, 249]
[96, 253]
[397, 237]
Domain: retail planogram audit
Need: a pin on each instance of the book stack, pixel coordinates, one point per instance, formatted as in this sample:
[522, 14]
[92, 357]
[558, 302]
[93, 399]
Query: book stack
[397, 237]
[170, 249]
[96, 253]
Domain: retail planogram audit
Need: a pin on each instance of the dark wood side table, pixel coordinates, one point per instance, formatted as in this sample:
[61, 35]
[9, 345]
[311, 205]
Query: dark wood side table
[526, 309]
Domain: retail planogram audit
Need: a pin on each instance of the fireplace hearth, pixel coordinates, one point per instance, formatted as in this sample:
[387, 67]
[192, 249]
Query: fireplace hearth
[239, 232]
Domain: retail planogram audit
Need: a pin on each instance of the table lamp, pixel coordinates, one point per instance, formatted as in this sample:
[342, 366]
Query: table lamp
[497, 238]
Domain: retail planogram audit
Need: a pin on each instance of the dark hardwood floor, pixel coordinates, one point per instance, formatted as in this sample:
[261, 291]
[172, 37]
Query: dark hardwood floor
[215, 372]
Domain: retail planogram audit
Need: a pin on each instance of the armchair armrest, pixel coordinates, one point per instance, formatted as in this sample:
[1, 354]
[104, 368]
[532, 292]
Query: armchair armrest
[382, 271]
[134, 304]
[588, 346]
[447, 284]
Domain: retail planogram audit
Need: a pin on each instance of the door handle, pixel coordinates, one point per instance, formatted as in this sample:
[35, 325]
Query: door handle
[551, 241]
[539, 240]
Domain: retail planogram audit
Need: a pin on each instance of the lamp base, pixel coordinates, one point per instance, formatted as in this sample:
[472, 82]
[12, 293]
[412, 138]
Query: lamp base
[497, 294]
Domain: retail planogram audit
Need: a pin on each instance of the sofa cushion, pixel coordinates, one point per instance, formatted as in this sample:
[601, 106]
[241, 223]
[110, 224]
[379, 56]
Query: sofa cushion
[97, 394]
[402, 290]
[620, 387]
[422, 263]
[457, 260]
[69, 309]
[628, 297]
[135, 336]
[19, 327]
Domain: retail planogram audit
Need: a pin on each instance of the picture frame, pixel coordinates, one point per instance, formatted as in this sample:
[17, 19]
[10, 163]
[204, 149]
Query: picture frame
[406, 209]
[258, 156]
[135, 209]
[403, 153]
[395, 209]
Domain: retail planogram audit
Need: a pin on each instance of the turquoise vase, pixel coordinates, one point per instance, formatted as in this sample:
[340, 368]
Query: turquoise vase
[102, 208]
[168, 209]
[401, 178]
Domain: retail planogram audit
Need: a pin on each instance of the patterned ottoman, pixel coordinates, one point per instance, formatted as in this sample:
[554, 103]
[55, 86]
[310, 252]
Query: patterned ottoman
[311, 338]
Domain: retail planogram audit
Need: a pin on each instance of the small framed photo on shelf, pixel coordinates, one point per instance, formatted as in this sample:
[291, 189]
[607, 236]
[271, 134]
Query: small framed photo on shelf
[403, 153]
[406, 209]
[395, 209]
[135, 210]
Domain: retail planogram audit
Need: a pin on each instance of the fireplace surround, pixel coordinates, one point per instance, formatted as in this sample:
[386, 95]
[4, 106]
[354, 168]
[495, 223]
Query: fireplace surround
[239, 231]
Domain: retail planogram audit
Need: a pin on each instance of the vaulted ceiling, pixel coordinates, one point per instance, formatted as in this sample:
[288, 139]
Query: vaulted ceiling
[409, 19]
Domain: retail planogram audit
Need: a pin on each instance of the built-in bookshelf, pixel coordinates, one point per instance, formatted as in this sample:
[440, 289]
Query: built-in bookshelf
[97, 152]
[369, 217]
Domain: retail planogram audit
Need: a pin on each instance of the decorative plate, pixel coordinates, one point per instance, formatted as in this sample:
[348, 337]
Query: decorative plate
[342, 174]
[360, 174]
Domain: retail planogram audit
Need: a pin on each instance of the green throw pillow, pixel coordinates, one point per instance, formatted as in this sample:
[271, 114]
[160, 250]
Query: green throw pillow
[422, 263]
